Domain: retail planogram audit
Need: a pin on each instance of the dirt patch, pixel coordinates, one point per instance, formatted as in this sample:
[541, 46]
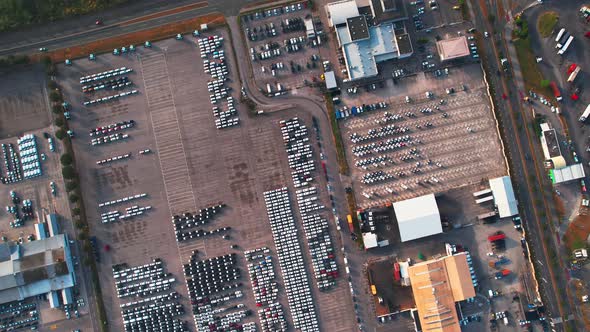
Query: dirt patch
[166, 13]
[578, 231]
[135, 38]
[559, 206]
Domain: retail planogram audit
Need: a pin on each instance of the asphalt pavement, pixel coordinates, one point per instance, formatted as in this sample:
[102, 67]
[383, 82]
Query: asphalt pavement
[80, 30]
[525, 156]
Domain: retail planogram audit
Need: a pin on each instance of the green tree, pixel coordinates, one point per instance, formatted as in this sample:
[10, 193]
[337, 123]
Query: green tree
[68, 172]
[545, 83]
[55, 97]
[60, 134]
[59, 122]
[74, 198]
[46, 61]
[79, 225]
[66, 159]
[56, 109]
[72, 185]
[52, 85]
[76, 211]
[82, 236]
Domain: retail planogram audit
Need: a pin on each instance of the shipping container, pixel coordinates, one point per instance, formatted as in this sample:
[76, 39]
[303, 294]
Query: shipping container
[396, 273]
[556, 91]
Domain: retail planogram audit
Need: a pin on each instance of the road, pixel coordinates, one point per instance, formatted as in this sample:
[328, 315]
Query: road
[80, 30]
[534, 192]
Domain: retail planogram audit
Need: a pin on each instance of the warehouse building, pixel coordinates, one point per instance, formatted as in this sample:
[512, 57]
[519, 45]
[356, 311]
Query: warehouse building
[504, 198]
[365, 45]
[417, 217]
[453, 48]
[38, 267]
[437, 285]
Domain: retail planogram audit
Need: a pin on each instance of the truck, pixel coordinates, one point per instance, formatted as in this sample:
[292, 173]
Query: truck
[396, 273]
[586, 113]
[504, 62]
[573, 75]
[559, 35]
[556, 91]
[562, 40]
[565, 47]
[268, 88]
[502, 274]
[350, 225]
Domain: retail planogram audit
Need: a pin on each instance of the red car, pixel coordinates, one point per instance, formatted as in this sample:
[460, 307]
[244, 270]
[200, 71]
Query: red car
[98, 22]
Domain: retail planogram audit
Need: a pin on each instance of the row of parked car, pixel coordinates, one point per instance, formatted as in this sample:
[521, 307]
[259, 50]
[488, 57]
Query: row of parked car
[186, 225]
[130, 212]
[112, 159]
[114, 84]
[316, 231]
[287, 244]
[11, 164]
[272, 318]
[105, 74]
[382, 146]
[377, 133]
[108, 139]
[299, 154]
[218, 70]
[155, 310]
[262, 276]
[111, 128]
[345, 112]
[18, 315]
[110, 98]
[123, 200]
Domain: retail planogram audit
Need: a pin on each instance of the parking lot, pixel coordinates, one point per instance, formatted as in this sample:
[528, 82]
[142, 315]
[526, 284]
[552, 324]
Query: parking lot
[283, 56]
[191, 167]
[459, 208]
[431, 141]
[27, 189]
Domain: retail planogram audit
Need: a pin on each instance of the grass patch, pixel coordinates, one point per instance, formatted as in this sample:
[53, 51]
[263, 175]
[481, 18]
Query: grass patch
[531, 74]
[134, 38]
[546, 23]
[577, 232]
[342, 163]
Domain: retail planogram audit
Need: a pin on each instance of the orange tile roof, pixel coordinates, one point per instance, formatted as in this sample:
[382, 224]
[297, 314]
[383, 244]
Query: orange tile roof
[437, 284]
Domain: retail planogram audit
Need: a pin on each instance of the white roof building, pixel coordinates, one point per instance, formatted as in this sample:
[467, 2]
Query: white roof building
[504, 196]
[566, 174]
[417, 217]
[339, 11]
[370, 240]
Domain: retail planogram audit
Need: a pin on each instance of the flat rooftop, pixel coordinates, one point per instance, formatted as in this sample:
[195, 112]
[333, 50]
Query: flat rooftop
[552, 142]
[452, 48]
[388, 10]
[362, 56]
[404, 45]
[357, 28]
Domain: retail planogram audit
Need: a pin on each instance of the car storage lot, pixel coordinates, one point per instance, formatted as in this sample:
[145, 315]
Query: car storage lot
[458, 207]
[294, 67]
[24, 110]
[419, 149]
[193, 165]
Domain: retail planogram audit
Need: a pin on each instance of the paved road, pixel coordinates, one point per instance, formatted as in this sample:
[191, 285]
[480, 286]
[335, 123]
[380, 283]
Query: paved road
[526, 158]
[67, 33]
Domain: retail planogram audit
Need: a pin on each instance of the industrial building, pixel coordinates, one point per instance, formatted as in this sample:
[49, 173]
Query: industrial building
[504, 198]
[437, 285]
[550, 145]
[453, 48]
[417, 217]
[365, 44]
[43, 266]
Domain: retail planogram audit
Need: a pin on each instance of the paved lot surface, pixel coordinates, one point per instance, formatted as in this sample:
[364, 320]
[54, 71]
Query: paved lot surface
[459, 208]
[193, 165]
[305, 69]
[462, 146]
[24, 110]
[23, 101]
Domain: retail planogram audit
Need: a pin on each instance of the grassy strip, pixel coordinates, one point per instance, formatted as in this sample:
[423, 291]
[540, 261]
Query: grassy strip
[71, 183]
[546, 23]
[355, 222]
[134, 38]
[464, 10]
[531, 74]
[340, 153]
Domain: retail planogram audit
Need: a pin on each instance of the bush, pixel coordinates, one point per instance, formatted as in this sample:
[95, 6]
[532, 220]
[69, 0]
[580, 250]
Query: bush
[52, 85]
[59, 122]
[82, 236]
[545, 83]
[68, 172]
[55, 97]
[66, 159]
[74, 198]
[72, 185]
[57, 109]
[422, 40]
[76, 211]
[46, 61]
[79, 225]
[60, 134]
